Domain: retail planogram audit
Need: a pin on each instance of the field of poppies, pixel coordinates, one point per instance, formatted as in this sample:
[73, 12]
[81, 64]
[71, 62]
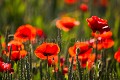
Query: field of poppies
[59, 40]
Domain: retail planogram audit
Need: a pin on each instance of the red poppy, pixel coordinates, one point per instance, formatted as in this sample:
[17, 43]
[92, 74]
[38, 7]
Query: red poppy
[117, 55]
[15, 45]
[98, 24]
[103, 44]
[17, 50]
[47, 49]
[40, 33]
[25, 32]
[66, 23]
[83, 61]
[103, 40]
[85, 50]
[84, 53]
[4, 66]
[83, 7]
[17, 55]
[103, 35]
[70, 1]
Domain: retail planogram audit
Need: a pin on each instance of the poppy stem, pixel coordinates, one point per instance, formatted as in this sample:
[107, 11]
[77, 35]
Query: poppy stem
[7, 39]
[55, 73]
[78, 63]
[40, 68]
[48, 72]
[20, 69]
[70, 70]
[30, 58]
[104, 69]
[59, 43]
[96, 52]
[27, 68]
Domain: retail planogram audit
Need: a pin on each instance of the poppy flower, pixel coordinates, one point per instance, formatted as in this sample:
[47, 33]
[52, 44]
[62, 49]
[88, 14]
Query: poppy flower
[17, 50]
[83, 7]
[15, 45]
[103, 43]
[85, 50]
[17, 55]
[70, 2]
[40, 33]
[46, 50]
[4, 66]
[117, 55]
[98, 24]
[103, 35]
[66, 23]
[24, 33]
[103, 40]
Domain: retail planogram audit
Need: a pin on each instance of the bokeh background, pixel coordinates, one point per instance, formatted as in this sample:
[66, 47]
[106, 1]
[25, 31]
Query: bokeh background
[43, 13]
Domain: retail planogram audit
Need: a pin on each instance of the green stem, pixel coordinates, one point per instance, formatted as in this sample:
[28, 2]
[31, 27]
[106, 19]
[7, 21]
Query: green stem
[59, 43]
[48, 72]
[70, 70]
[40, 68]
[27, 68]
[78, 63]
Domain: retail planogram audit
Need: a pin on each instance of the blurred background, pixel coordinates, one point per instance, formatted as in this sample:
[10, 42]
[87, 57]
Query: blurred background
[43, 13]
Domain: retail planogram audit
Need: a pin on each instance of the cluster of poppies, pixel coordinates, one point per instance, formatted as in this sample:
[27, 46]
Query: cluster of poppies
[14, 49]
[101, 39]
[101, 34]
